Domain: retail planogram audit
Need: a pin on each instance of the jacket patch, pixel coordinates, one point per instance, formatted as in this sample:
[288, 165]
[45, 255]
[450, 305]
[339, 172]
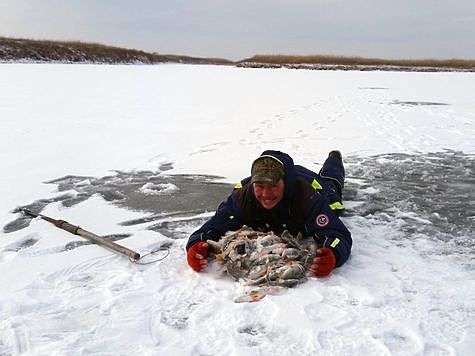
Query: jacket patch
[322, 220]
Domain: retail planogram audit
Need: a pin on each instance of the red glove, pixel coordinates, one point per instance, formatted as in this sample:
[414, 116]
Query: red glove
[323, 263]
[196, 256]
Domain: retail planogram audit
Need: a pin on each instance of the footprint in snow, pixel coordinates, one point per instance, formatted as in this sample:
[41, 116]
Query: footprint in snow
[400, 341]
[327, 317]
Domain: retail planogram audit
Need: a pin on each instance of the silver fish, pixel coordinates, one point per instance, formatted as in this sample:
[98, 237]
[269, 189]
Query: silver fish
[263, 260]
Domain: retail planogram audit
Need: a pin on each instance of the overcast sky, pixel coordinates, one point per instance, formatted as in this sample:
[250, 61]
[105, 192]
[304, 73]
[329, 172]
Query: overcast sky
[236, 29]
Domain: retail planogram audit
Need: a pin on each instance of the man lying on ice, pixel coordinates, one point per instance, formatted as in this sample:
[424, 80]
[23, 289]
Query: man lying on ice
[282, 196]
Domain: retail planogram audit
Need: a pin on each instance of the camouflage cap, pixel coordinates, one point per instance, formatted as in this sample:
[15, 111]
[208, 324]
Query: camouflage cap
[267, 169]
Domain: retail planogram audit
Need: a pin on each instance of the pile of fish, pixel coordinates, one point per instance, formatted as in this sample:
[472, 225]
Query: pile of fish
[263, 260]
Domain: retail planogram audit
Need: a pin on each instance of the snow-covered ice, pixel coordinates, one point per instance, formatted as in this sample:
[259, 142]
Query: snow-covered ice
[143, 154]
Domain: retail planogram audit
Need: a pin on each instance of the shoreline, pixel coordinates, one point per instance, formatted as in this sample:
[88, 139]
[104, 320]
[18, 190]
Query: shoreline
[258, 65]
[353, 67]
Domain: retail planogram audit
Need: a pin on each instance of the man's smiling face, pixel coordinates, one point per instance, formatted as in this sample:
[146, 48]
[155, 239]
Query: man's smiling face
[268, 195]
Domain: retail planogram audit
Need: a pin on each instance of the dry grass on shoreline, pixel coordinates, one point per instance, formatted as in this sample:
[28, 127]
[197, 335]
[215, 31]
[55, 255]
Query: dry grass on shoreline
[15, 49]
[12, 49]
[340, 60]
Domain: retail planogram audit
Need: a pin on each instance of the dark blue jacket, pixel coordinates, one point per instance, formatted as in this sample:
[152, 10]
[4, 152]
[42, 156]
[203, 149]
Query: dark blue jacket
[310, 206]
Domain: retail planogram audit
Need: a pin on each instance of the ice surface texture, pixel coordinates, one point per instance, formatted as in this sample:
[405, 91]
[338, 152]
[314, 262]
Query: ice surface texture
[402, 292]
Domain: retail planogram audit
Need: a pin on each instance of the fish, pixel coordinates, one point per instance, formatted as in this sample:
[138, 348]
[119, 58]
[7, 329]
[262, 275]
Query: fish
[262, 261]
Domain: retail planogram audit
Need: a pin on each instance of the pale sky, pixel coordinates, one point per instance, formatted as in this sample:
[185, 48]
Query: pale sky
[232, 29]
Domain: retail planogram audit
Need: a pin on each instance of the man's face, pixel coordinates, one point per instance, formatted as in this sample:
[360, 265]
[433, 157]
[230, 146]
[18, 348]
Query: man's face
[269, 195]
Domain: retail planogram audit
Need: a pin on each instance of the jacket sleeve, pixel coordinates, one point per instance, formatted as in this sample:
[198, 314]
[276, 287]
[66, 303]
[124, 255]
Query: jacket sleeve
[225, 219]
[328, 230]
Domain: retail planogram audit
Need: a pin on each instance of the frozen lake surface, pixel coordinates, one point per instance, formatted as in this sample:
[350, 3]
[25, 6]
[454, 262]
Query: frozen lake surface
[143, 154]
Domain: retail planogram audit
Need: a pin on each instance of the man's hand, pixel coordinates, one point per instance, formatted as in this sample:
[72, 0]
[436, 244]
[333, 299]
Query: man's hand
[323, 263]
[196, 256]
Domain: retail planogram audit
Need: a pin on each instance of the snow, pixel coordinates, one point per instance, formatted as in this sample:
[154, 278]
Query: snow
[408, 288]
[163, 188]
